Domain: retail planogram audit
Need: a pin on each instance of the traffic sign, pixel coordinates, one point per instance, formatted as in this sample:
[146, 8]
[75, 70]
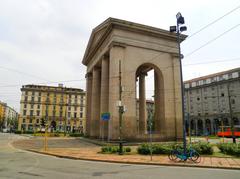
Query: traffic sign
[105, 116]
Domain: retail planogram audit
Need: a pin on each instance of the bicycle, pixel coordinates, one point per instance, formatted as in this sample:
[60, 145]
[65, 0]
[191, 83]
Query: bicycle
[179, 155]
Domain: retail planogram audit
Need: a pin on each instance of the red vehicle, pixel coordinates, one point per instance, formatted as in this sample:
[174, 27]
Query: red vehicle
[226, 131]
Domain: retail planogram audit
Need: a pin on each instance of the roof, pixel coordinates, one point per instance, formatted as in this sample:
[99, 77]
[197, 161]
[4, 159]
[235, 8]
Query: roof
[212, 75]
[40, 87]
[100, 33]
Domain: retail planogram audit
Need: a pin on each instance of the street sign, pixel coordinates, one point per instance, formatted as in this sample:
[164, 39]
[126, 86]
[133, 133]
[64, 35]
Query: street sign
[105, 116]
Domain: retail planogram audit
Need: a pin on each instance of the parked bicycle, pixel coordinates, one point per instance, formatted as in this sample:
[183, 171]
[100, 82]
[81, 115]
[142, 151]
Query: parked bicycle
[179, 155]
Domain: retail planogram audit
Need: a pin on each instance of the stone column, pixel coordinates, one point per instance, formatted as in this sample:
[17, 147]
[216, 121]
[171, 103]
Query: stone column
[88, 103]
[95, 107]
[142, 104]
[104, 94]
[157, 103]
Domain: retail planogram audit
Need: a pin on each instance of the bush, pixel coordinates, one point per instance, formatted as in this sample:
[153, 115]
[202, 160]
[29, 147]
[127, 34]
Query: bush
[18, 132]
[114, 149]
[230, 149]
[201, 148]
[28, 132]
[76, 135]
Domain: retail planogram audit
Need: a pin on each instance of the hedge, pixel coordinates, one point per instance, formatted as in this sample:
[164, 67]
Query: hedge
[201, 148]
[114, 149]
[230, 149]
[76, 134]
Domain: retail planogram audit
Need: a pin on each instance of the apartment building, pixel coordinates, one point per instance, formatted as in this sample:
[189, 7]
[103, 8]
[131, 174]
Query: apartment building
[8, 117]
[212, 101]
[61, 108]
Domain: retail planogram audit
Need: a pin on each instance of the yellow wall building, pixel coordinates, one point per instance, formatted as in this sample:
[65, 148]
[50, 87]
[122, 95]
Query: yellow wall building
[63, 108]
[2, 113]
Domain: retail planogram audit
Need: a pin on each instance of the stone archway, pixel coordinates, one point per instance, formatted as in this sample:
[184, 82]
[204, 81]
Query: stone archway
[159, 115]
[119, 48]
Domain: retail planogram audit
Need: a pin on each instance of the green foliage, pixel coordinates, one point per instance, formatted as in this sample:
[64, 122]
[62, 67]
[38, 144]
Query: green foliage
[76, 134]
[145, 149]
[18, 132]
[28, 132]
[114, 149]
[230, 149]
[201, 148]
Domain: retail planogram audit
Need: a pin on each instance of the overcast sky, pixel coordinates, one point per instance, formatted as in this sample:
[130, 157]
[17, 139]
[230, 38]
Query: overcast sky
[43, 41]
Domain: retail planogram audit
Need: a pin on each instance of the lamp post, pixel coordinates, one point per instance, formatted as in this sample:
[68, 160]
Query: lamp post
[178, 29]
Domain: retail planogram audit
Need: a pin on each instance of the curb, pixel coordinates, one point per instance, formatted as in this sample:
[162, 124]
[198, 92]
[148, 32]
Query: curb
[136, 163]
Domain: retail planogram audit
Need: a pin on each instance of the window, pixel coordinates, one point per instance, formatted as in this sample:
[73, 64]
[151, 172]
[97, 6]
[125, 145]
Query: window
[38, 106]
[222, 94]
[31, 112]
[81, 109]
[80, 123]
[75, 115]
[30, 121]
[81, 115]
[69, 114]
[24, 112]
[25, 98]
[32, 98]
[60, 115]
[24, 120]
[26, 92]
[213, 88]
[38, 113]
[37, 120]
[33, 93]
[32, 106]
[69, 108]
[198, 98]
[75, 108]
[233, 101]
[39, 99]
[25, 105]
[39, 94]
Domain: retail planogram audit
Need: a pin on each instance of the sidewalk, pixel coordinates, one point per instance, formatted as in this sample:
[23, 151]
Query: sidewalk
[93, 155]
[86, 150]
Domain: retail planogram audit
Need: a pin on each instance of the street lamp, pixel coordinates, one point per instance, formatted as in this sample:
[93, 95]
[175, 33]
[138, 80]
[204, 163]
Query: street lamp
[178, 29]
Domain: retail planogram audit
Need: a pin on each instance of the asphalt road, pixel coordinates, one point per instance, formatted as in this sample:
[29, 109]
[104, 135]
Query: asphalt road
[15, 163]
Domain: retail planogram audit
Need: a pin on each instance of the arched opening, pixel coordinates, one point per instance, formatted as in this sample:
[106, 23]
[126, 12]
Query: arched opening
[150, 99]
[200, 127]
[208, 127]
[192, 127]
[216, 125]
[53, 125]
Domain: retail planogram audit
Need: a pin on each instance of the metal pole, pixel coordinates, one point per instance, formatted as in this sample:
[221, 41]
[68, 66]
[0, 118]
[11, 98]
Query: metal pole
[182, 90]
[120, 110]
[150, 122]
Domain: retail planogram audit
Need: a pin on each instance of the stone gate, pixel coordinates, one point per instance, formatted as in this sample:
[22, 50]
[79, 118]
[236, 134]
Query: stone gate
[138, 49]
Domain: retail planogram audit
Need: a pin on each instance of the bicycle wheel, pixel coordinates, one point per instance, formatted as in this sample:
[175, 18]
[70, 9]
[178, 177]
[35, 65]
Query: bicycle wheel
[195, 157]
[173, 155]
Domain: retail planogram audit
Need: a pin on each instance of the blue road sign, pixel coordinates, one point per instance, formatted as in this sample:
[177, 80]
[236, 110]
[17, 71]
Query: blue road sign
[105, 116]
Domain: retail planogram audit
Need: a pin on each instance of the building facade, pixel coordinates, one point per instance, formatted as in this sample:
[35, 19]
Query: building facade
[2, 114]
[8, 117]
[212, 101]
[61, 108]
